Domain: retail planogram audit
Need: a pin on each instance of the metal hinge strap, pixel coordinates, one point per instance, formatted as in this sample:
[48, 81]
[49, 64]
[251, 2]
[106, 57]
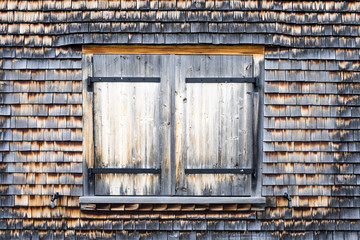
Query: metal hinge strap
[92, 80]
[219, 171]
[220, 80]
[93, 171]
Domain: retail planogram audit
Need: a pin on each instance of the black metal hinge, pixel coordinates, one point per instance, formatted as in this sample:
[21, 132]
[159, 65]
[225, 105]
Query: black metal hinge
[93, 171]
[92, 80]
[219, 171]
[220, 80]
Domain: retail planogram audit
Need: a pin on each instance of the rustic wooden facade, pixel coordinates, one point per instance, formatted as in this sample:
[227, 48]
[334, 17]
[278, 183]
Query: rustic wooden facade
[309, 146]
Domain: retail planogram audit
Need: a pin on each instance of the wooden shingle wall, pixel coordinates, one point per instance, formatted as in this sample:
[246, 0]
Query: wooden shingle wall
[311, 106]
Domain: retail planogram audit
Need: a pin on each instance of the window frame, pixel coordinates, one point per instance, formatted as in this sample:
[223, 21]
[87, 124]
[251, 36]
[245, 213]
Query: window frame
[88, 137]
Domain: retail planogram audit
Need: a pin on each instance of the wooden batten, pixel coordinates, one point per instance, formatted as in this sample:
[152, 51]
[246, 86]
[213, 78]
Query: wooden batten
[174, 49]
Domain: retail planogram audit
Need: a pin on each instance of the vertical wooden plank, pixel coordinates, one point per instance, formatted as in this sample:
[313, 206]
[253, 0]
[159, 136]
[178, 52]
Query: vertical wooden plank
[101, 113]
[100, 109]
[258, 70]
[88, 143]
[168, 176]
[227, 108]
[214, 100]
[180, 122]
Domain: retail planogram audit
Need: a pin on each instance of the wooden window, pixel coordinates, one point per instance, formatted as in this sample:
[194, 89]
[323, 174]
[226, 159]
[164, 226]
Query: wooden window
[174, 125]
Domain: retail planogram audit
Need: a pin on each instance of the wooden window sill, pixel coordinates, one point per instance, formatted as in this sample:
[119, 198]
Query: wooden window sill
[172, 203]
[171, 200]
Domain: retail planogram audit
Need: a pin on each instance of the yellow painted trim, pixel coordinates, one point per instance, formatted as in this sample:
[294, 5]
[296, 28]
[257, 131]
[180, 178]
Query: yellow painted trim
[174, 49]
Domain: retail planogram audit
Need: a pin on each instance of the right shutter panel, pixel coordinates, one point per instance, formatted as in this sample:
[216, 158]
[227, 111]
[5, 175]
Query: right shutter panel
[215, 124]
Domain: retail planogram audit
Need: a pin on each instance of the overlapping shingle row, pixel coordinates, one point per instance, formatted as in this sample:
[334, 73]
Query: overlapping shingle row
[291, 24]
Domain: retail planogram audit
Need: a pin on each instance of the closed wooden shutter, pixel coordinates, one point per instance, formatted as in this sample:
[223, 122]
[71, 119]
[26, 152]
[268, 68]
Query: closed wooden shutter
[130, 123]
[214, 133]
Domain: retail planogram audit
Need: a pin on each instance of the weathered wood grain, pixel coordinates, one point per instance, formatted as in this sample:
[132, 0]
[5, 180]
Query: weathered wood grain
[88, 137]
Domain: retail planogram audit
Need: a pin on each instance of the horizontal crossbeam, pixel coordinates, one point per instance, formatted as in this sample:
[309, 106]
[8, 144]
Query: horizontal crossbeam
[220, 80]
[93, 171]
[92, 80]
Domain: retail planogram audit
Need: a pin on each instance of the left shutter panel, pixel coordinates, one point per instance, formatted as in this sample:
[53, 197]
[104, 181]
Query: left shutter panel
[130, 136]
